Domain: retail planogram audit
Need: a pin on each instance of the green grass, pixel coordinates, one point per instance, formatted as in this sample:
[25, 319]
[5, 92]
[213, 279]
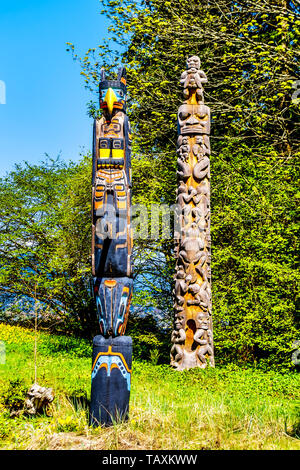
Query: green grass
[221, 408]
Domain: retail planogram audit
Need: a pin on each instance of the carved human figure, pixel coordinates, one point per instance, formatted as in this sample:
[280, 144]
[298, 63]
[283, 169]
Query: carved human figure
[201, 211]
[184, 170]
[183, 210]
[201, 146]
[203, 268]
[182, 281]
[202, 203]
[184, 148]
[193, 77]
[178, 337]
[201, 295]
[185, 194]
[201, 189]
[203, 336]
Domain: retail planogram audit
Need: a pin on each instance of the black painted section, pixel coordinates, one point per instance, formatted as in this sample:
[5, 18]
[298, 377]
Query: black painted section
[110, 392]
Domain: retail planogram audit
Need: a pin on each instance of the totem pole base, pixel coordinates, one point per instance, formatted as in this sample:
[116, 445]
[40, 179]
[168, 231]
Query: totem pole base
[111, 379]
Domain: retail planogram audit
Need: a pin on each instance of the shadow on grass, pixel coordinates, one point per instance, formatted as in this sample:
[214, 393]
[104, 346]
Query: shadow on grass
[79, 402]
[295, 431]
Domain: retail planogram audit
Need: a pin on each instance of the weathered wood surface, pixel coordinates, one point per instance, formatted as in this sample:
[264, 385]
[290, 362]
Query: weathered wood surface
[38, 399]
[192, 336]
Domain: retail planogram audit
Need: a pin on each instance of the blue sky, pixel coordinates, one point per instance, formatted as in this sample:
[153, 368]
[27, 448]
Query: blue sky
[45, 110]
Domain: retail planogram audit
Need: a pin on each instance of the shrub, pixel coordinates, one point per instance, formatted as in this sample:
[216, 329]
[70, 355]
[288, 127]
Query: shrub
[15, 395]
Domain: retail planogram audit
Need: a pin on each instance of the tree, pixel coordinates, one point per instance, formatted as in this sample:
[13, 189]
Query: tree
[45, 241]
[249, 51]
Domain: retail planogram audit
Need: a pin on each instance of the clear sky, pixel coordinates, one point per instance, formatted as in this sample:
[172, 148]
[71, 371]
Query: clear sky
[45, 110]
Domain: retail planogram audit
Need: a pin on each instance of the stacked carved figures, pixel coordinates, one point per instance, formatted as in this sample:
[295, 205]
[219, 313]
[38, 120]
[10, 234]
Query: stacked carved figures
[111, 253]
[192, 337]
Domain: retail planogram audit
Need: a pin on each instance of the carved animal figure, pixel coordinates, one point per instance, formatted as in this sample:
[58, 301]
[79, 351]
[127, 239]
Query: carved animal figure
[202, 169]
[192, 246]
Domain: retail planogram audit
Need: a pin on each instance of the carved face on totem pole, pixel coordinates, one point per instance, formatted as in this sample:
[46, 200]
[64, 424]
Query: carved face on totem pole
[112, 93]
[179, 321]
[202, 321]
[193, 63]
[194, 119]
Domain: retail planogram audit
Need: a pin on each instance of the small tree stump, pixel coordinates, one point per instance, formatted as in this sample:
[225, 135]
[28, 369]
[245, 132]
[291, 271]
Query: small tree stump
[38, 399]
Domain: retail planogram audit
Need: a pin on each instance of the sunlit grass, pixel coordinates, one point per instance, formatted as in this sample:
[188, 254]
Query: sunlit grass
[226, 408]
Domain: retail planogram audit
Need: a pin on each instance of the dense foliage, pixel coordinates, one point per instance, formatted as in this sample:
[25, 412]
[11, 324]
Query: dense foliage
[45, 243]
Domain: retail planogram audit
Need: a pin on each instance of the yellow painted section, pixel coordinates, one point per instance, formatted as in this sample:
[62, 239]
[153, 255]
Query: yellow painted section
[117, 153]
[98, 204]
[121, 204]
[193, 98]
[110, 282]
[104, 153]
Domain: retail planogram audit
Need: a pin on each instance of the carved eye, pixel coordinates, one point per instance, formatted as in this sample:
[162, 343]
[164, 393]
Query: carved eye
[116, 127]
[118, 144]
[201, 116]
[184, 116]
[104, 143]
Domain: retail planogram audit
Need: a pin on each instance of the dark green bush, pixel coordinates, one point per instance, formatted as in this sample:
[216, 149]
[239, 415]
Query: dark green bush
[14, 396]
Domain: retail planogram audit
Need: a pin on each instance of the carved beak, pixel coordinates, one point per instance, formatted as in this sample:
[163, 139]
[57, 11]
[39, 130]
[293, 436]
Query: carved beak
[110, 99]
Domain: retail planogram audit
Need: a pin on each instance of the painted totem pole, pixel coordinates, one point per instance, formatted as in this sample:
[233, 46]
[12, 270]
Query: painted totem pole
[111, 253]
[192, 338]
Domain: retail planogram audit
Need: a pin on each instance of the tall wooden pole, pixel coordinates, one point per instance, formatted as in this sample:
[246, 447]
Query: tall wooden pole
[192, 337]
[111, 253]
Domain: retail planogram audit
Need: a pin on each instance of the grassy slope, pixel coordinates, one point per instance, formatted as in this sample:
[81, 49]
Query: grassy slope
[221, 408]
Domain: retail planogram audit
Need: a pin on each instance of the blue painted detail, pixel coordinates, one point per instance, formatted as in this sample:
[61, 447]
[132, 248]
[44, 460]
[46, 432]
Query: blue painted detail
[122, 310]
[118, 92]
[109, 360]
[101, 316]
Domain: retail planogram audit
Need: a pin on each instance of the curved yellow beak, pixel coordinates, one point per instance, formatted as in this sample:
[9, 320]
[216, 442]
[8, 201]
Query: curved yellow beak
[110, 99]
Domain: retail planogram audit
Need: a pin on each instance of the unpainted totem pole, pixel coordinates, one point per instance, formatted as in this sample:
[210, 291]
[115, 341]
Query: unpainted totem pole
[192, 337]
[111, 254]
